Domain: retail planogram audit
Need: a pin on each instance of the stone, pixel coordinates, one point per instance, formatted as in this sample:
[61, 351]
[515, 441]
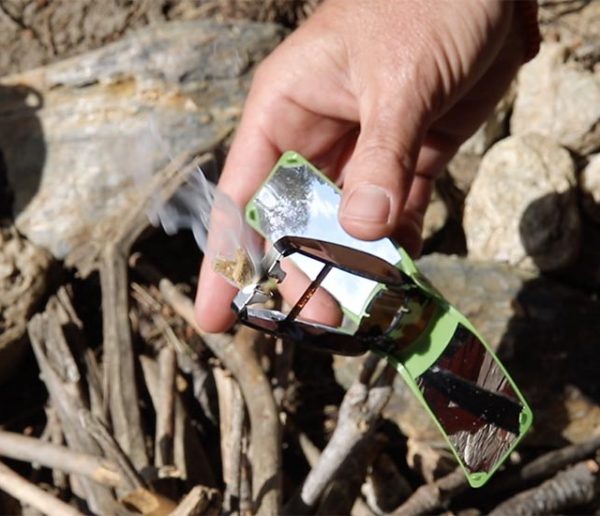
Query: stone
[560, 99]
[545, 333]
[522, 207]
[493, 129]
[575, 24]
[76, 137]
[590, 186]
[436, 216]
[24, 273]
[462, 168]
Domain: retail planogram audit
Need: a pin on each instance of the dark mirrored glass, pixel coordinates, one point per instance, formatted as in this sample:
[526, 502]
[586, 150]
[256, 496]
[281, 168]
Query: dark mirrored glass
[473, 400]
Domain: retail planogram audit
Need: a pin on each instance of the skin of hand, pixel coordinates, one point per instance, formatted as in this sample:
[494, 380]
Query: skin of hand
[379, 94]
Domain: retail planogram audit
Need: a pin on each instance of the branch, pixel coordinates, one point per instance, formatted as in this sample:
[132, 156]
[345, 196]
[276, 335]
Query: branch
[63, 387]
[359, 412]
[29, 494]
[200, 500]
[165, 410]
[546, 465]
[29, 449]
[238, 356]
[573, 487]
[430, 498]
[119, 370]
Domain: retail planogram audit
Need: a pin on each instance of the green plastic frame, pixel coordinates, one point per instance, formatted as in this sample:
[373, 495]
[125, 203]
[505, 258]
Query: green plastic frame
[421, 354]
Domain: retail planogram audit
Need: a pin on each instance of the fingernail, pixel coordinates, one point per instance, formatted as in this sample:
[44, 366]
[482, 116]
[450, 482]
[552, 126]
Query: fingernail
[368, 203]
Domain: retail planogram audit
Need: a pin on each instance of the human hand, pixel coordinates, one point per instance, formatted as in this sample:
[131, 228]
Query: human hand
[378, 94]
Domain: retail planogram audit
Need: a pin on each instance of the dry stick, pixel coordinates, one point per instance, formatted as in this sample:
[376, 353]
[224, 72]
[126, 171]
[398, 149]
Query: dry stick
[55, 436]
[231, 496]
[112, 450]
[187, 358]
[386, 488]
[165, 410]
[119, 370]
[29, 494]
[547, 464]
[344, 489]
[238, 356]
[29, 449]
[359, 411]
[430, 498]
[245, 480]
[190, 458]
[573, 487]
[65, 396]
[284, 359]
[71, 323]
[200, 500]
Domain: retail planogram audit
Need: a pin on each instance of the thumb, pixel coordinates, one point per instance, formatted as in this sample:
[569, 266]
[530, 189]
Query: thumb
[378, 176]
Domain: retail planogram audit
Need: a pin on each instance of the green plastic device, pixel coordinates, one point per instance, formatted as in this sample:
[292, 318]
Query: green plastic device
[446, 363]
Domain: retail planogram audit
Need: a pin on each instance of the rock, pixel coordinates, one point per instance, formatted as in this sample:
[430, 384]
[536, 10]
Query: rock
[522, 207]
[77, 134]
[463, 169]
[590, 186]
[493, 129]
[436, 216]
[545, 333]
[463, 166]
[575, 24]
[24, 271]
[559, 99]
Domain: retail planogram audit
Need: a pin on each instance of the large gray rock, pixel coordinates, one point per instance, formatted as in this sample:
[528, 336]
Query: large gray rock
[546, 334]
[522, 207]
[76, 135]
[560, 99]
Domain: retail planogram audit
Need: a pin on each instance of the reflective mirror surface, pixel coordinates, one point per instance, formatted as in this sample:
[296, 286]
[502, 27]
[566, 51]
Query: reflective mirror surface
[297, 202]
[474, 402]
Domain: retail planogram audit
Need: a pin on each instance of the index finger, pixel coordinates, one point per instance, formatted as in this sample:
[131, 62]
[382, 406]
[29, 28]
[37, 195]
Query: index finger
[250, 159]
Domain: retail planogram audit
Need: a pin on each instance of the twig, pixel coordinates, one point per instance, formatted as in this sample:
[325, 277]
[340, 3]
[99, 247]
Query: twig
[165, 410]
[546, 465]
[573, 487]
[190, 458]
[430, 498]
[119, 370]
[111, 448]
[29, 449]
[238, 356]
[344, 489]
[284, 358]
[65, 394]
[385, 488]
[309, 449]
[55, 436]
[200, 500]
[29, 494]
[360, 410]
[231, 408]
[245, 481]
[73, 328]
[119, 373]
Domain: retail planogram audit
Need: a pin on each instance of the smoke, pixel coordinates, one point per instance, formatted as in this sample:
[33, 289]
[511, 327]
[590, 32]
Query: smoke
[217, 223]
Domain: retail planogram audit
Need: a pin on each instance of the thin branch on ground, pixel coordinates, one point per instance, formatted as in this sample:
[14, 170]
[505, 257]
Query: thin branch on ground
[574, 487]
